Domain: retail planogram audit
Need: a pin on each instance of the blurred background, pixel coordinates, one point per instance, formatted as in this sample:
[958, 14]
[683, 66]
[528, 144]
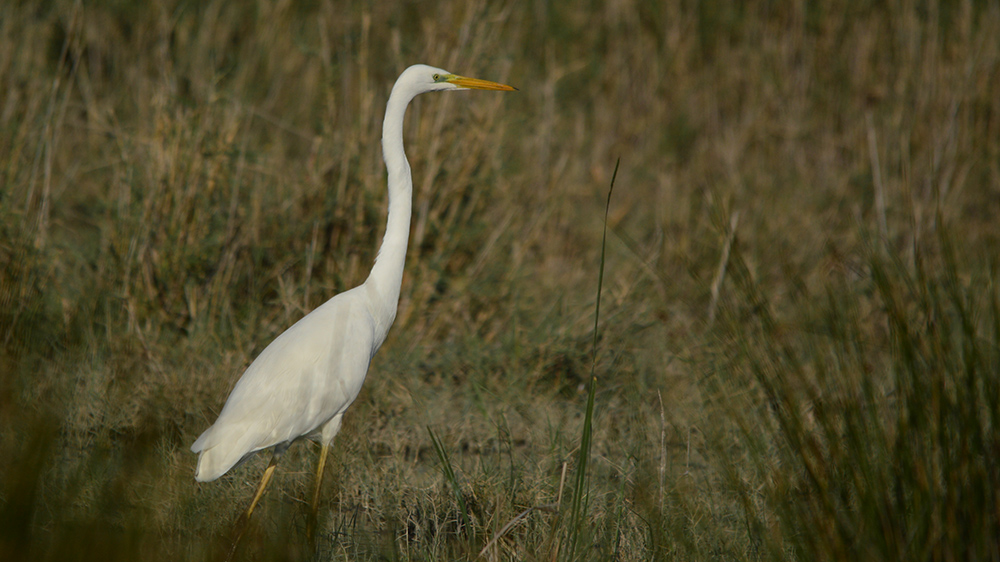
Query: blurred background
[799, 339]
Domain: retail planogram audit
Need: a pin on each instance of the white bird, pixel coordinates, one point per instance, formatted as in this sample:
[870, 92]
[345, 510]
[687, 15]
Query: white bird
[302, 383]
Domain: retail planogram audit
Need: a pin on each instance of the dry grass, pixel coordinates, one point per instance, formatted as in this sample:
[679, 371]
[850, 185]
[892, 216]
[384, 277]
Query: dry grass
[803, 229]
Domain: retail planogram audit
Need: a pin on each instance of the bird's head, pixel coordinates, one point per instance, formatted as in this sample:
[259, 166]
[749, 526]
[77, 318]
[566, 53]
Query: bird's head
[421, 78]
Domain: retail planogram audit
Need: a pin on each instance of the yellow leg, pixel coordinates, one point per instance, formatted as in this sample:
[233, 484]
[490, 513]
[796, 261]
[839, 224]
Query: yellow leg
[268, 472]
[311, 526]
[242, 522]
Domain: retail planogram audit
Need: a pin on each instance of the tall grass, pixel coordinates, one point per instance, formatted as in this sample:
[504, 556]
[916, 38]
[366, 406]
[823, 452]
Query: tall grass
[872, 434]
[799, 324]
[579, 502]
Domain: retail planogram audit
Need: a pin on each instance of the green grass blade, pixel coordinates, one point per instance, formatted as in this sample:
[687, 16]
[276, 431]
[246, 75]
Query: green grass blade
[449, 474]
[579, 487]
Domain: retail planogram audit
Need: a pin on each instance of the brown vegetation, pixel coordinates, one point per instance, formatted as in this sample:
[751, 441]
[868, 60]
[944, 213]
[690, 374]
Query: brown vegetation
[799, 331]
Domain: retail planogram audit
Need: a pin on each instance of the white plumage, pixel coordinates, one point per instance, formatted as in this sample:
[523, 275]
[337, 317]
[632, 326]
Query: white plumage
[302, 383]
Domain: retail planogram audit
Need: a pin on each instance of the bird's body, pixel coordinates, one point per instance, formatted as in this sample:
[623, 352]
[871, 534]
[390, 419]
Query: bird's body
[321, 364]
[302, 383]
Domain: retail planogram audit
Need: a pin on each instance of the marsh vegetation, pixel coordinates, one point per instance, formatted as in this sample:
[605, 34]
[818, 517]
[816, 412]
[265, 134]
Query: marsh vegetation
[799, 342]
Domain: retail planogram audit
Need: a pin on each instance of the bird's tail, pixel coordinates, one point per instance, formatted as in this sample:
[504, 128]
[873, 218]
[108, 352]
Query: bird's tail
[216, 455]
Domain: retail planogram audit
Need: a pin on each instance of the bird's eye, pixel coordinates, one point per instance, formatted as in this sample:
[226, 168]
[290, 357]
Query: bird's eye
[437, 77]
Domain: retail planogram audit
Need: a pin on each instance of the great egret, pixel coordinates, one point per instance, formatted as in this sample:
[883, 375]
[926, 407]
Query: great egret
[303, 381]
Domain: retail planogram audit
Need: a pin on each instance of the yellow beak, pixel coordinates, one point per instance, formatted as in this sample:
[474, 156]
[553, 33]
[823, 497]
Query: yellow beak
[477, 84]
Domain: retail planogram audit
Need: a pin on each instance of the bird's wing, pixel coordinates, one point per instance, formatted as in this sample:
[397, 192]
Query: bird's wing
[307, 375]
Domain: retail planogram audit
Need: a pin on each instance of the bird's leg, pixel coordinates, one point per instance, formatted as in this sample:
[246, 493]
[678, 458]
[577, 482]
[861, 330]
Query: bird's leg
[268, 473]
[327, 434]
[244, 520]
[314, 515]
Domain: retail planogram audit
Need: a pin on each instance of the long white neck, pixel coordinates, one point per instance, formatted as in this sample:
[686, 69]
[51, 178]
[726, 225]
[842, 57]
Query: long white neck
[384, 281]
